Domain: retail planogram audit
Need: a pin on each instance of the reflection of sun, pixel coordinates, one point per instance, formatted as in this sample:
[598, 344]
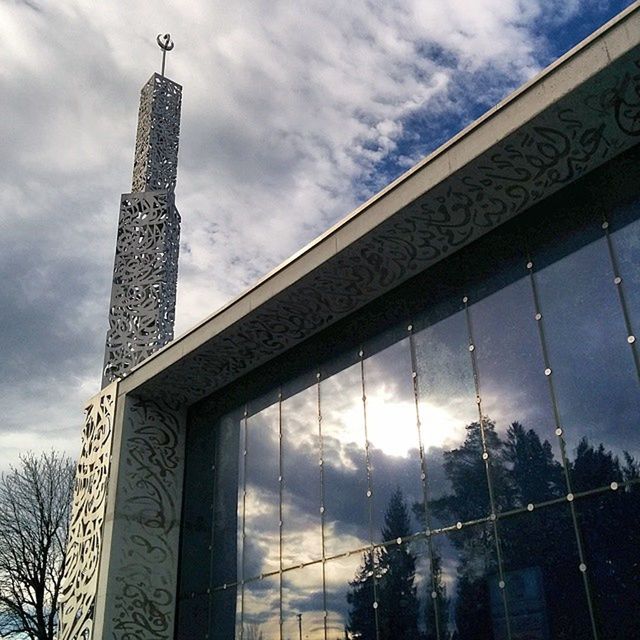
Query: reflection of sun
[392, 428]
[443, 426]
[391, 425]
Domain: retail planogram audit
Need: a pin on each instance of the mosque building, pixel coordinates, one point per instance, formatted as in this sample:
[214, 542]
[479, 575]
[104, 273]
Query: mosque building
[424, 425]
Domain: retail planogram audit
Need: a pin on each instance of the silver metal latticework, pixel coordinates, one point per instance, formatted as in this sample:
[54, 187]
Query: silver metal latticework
[155, 163]
[143, 293]
[78, 595]
[145, 273]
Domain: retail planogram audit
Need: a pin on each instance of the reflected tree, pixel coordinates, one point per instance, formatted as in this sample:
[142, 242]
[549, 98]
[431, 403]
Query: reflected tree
[465, 470]
[397, 592]
[438, 587]
[469, 499]
[532, 472]
[539, 545]
[594, 467]
[611, 536]
[393, 567]
[523, 470]
[361, 597]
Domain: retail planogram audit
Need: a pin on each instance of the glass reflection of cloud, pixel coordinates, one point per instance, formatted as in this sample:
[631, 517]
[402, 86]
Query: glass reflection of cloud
[504, 404]
[257, 601]
[261, 605]
[443, 426]
[450, 562]
[301, 534]
[312, 627]
[343, 428]
[300, 585]
[260, 504]
[301, 538]
[261, 516]
[334, 529]
[302, 594]
[338, 574]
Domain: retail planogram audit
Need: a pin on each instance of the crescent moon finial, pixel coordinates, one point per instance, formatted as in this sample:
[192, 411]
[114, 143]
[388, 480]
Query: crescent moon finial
[165, 42]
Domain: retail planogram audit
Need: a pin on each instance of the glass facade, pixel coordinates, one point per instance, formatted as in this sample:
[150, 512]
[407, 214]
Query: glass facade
[472, 472]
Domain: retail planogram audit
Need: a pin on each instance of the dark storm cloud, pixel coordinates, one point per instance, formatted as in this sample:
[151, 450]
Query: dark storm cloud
[49, 314]
[312, 600]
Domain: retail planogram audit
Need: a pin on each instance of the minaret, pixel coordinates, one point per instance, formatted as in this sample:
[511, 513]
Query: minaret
[145, 272]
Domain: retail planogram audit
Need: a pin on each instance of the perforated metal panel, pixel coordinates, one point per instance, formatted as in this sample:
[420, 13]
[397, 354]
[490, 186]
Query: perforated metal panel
[143, 293]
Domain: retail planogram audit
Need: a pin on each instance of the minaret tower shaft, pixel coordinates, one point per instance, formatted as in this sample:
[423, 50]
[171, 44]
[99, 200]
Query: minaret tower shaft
[145, 272]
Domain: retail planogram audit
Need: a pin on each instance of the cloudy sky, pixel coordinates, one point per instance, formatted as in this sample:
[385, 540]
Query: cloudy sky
[293, 114]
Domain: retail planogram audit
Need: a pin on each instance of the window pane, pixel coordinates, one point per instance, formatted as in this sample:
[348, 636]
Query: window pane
[224, 549]
[197, 526]
[625, 239]
[463, 564]
[261, 507]
[436, 575]
[301, 525]
[399, 606]
[194, 615]
[348, 586]
[223, 614]
[261, 609]
[526, 465]
[609, 524]
[450, 430]
[393, 435]
[345, 472]
[302, 596]
[544, 586]
[592, 368]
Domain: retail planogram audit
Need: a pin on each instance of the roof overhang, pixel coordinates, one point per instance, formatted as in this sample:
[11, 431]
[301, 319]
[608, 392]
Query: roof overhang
[577, 114]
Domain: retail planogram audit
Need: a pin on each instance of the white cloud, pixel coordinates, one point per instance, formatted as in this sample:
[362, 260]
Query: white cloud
[289, 116]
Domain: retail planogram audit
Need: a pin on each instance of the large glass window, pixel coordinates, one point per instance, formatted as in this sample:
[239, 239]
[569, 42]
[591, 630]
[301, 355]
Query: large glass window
[471, 474]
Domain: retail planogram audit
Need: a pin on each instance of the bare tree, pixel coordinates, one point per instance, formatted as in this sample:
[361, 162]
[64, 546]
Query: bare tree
[35, 505]
[252, 632]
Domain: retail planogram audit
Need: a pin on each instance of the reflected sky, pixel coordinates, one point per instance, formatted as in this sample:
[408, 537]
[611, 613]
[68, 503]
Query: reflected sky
[593, 373]
[626, 247]
[445, 381]
[513, 388]
[260, 609]
[510, 361]
[393, 437]
[301, 495]
[313, 455]
[261, 504]
[345, 463]
[302, 594]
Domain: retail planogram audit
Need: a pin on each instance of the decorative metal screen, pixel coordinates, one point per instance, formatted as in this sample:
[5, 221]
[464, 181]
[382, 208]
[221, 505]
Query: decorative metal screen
[87, 521]
[143, 294]
[155, 163]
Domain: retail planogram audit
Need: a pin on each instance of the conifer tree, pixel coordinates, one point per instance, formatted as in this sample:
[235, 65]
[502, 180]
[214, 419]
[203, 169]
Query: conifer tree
[361, 598]
[393, 567]
[397, 592]
[534, 474]
[437, 608]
